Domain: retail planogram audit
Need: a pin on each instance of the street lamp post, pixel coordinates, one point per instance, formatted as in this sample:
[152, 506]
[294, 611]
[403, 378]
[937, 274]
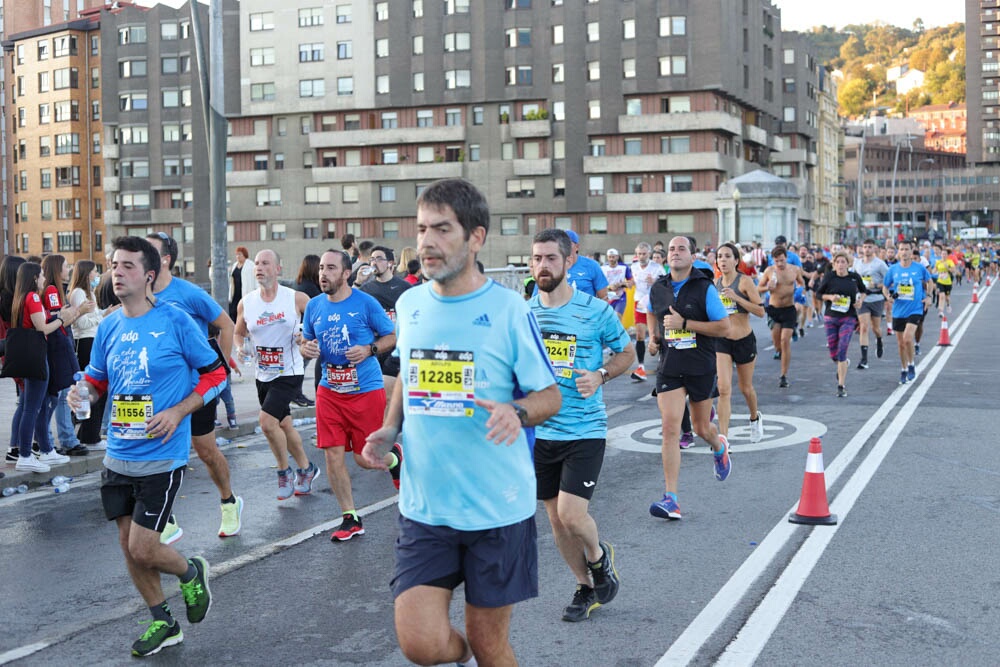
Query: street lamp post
[913, 216]
[736, 214]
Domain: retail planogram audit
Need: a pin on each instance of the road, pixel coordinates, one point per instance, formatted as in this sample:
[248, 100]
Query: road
[905, 578]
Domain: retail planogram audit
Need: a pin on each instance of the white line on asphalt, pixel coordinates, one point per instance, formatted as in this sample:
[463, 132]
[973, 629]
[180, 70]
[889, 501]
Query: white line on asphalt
[704, 625]
[757, 631]
[254, 555]
[618, 408]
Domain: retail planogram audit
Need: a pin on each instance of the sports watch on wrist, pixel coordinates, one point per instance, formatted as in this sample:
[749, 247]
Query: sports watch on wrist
[604, 375]
[522, 414]
[374, 349]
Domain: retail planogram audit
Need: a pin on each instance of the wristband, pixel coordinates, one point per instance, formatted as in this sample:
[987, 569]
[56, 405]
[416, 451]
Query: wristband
[684, 324]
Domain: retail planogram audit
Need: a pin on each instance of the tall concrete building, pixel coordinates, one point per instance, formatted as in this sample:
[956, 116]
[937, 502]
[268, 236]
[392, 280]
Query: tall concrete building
[982, 81]
[617, 119]
[18, 16]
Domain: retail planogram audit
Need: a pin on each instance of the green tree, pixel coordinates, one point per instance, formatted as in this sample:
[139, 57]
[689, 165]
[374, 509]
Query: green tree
[853, 96]
[852, 49]
[918, 25]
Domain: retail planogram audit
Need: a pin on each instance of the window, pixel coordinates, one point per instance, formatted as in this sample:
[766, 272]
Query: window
[171, 98]
[519, 75]
[264, 56]
[67, 111]
[135, 34]
[673, 25]
[68, 77]
[425, 118]
[70, 241]
[593, 32]
[328, 158]
[381, 11]
[310, 230]
[312, 88]
[46, 209]
[279, 161]
[46, 178]
[595, 186]
[628, 29]
[43, 49]
[507, 151]
[510, 226]
[628, 68]
[425, 154]
[518, 4]
[352, 158]
[418, 82]
[386, 192]
[788, 85]
[789, 115]
[381, 48]
[678, 183]
[594, 70]
[268, 196]
[24, 180]
[558, 73]
[594, 109]
[597, 147]
[132, 102]
[343, 13]
[598, 224]
[521, 188]
[418, 8]
[262, 91]
[456, 7]
[95, 45]
[305, 124]
[518, 37]
[673, 65]
[418, 45]
[675, 144]
[67, 208]
[350, 194]
[474, 152]
[789, 56]
[95, 140]
[633, 107]
[457, 78]
[559, 149]
[390, 156]
[43, 82]
[453, 117]
[128, 69]
[169, 31]
[261, 21]
[95, 78]
[390, 120]
[136, 134]
[557, 34]
[279, 231]
[310, 16]
[186, 134]
[457, 41]
[171, 167]
[345, 85]
[382, 84]
[171, 132]
[67, 143]
[317, 194]
[676, 104]
[633, 147]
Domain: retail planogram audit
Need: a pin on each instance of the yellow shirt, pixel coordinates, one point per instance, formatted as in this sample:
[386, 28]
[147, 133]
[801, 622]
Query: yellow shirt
[942, 271]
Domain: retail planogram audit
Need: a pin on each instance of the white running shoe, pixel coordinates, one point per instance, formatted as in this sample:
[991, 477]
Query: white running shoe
[757, 429]
[31, 464]
[52, 457]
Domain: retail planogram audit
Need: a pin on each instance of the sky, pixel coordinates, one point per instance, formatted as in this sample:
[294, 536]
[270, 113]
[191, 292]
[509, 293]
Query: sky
[803, 14]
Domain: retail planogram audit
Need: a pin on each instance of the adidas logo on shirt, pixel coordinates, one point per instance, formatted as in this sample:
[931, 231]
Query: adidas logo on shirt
[482, 321]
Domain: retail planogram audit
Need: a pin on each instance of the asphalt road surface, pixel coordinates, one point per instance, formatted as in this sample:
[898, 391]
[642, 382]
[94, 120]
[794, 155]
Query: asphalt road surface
[907, 576]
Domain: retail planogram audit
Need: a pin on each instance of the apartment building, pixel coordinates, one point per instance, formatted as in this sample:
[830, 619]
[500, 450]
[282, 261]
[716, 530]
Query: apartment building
[54, 137]
[18, 16]
[944, 126]
[982, 80]
[830, 218]
[617, 119]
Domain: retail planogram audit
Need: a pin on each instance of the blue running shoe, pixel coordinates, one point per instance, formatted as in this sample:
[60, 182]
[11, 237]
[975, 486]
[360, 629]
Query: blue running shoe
[902, 377]
[723, 464]
[911, 373]
[666, 508]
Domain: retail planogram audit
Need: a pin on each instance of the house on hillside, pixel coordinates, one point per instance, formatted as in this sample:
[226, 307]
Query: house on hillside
[944, 126]
[912, 80]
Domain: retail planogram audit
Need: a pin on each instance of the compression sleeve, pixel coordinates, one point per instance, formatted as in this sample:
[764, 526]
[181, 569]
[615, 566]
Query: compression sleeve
[100, 385]
[211, 381]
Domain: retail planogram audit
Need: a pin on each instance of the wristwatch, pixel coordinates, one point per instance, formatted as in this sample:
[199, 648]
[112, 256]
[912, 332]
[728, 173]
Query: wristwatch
[604, 374]
[374, 349]
[522, 414]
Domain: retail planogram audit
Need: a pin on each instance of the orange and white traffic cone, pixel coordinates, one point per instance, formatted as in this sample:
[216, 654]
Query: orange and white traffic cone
[987, 281]
[813, 509]
[975, 292]
[944, 340]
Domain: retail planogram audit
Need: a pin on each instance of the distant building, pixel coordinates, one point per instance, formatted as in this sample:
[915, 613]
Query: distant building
[944, 126]
[912, 80]
[982, 81]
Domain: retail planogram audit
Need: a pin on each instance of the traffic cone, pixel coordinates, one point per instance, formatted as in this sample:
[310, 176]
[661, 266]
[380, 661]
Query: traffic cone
[813, 509]
[987, 281]
[944, 340]
[975, 292]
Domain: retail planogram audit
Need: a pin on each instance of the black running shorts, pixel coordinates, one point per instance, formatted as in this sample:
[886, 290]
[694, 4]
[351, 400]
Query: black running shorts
[572, 466]
[743, 351]
[147, 499]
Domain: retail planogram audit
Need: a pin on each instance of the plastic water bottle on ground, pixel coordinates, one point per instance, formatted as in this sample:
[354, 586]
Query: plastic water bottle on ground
[258, 430]
[83, 392]
[220, 441]
[11, 490]
[62, 488]
[59, 480]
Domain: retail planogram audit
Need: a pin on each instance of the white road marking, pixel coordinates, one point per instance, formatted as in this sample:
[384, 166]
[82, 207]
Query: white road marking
[617, 409]
[718, 609]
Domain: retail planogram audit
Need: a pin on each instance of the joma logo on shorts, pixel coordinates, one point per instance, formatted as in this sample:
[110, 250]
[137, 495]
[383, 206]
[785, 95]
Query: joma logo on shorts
[130, 337]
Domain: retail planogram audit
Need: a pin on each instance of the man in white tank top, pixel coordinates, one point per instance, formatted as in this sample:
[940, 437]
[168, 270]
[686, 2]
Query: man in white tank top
[270, 317]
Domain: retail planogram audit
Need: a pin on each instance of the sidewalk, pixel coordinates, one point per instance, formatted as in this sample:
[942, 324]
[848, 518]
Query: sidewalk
[247, 409]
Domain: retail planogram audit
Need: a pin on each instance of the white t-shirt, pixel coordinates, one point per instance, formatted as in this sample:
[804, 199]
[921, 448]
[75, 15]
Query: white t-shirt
[644, 279]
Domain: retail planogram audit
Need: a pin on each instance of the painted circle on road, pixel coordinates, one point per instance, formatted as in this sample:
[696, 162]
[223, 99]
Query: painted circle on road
[779, 431]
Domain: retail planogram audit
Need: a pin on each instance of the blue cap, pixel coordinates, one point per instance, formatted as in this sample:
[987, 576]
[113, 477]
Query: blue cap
[573, 236]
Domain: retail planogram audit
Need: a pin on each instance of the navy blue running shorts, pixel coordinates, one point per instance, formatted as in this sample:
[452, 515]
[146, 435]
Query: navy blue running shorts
[499, 566]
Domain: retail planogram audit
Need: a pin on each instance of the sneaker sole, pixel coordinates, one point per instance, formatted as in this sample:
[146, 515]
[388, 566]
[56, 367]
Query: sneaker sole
[345, 539]
[170, 641]
[586, 615]
[173, 538]
[610, 550]
[208, 590]
[661, 514]
[239, 520]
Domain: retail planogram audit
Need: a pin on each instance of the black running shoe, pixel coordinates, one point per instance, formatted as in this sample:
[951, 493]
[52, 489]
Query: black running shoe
[878, 348]
[783, 382]
[605, 575]
[584, 602]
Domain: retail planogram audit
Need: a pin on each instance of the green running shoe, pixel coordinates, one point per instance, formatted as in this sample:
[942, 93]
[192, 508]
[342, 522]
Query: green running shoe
[171, 531]
[197, 595]
[156, 636]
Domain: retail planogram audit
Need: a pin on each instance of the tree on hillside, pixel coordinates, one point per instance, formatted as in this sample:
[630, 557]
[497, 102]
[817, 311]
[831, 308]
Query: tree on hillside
[918, 25]
[852, 49]
[853, 96]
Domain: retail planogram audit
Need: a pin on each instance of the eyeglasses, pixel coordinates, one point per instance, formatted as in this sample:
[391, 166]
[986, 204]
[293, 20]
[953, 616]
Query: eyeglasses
[378, 259]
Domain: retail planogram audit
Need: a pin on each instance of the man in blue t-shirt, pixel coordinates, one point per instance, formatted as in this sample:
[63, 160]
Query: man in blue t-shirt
[569, 449]
[474, 379]
[907, 288]
[347, 329]
[157, 369]
[584, 273]
[197, 303]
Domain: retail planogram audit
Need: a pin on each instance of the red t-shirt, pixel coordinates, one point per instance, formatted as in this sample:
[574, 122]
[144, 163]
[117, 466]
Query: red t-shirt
[53, 301]
[32, 304]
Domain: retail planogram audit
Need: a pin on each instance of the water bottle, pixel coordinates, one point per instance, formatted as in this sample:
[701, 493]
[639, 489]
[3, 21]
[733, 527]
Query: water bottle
[62, 488]
[22, 488]
[83, 394]
[11, 490]
[220, 441]
[246, 354]
[258, 430]
[58, 480]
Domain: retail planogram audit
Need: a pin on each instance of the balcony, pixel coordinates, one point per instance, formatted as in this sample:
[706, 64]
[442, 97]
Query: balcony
[777, 143]
[795, 155]
[680, 122]
[659, 163]
[252, 142]
[428, 171]
[237, 179]
[388, 137]
[111, 184]
[166, 216]
[755, 135]
[110, 151]
[540, 167]
[661, 201]
[112, 217]
[530, 129]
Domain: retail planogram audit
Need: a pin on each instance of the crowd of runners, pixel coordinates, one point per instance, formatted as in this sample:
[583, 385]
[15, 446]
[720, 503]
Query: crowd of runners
[439, 377]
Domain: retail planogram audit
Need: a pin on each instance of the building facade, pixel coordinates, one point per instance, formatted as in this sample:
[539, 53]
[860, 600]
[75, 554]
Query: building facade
[944, 126]
[982, 80]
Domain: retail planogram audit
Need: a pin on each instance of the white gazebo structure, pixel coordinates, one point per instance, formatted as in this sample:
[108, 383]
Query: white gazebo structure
[757, 206]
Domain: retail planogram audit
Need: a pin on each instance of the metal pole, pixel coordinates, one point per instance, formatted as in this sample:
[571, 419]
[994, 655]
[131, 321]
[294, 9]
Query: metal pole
[892, 191]
[861, 171]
